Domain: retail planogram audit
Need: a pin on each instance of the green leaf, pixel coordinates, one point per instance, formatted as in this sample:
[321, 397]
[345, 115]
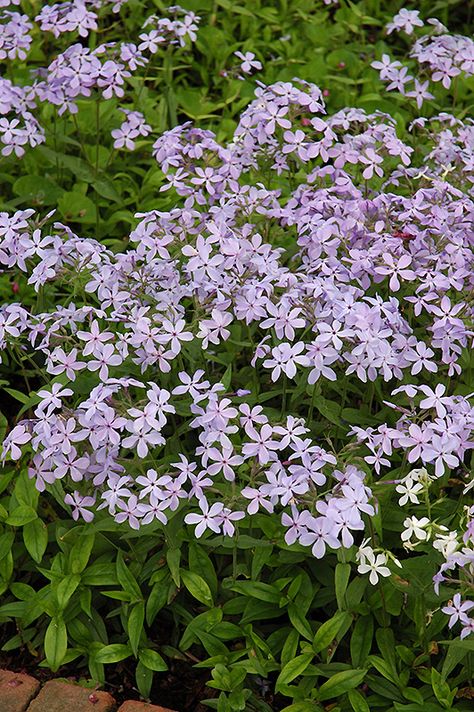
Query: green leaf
[328, 631]
[75, 206]
[35, 536]
[299, 621]
[257, 589]
[135, 623]
[144, 678]
[17, 395]
[37, 190]
[197, 587]
[441, 689]
[100, 575]
[126, 579]
[293, 669]
[80, 552]
[341, 579]
[113, 653]
[6, 543]
[106, 189]
[454, 656]
[173, 558]
[152, 660]
[361, 640]
[21, 515]
[290, 647]
[200, 562]
[383, 668]
[357, 701]
[340, 683]
[425, 707]
[78, 167]
[55, 642]
[227, 377]
[329, 410]
[157, 599]
[66, 588]
[386, 644]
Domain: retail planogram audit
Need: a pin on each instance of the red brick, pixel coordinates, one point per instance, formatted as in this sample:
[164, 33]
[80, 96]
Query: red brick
[133, 706]
[58, 696]
[16, 691]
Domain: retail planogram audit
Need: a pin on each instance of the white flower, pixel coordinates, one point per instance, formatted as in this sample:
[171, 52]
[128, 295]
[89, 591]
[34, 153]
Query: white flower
[415, 527]
[364, 551]
[375, 564]
[446, 543]
[409, 490]
[419, 474]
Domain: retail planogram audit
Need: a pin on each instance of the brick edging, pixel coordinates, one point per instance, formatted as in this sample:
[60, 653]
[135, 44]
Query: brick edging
[23, 693]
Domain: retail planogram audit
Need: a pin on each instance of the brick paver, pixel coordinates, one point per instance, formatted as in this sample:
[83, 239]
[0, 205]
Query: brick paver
[16, 691]
[57, 696]
[132, 706]
[21, 693]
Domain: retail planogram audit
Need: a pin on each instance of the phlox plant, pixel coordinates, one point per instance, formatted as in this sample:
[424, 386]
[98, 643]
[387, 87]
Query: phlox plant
[251, 422]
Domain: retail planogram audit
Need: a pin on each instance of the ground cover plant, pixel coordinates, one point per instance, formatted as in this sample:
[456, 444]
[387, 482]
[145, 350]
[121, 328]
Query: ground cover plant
[237, 351]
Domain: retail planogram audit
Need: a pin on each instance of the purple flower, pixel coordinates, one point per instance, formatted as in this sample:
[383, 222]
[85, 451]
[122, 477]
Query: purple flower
[457, 610]
[211, 518]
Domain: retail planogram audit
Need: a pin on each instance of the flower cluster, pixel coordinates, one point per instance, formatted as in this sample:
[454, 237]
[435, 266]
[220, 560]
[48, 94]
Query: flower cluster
[77, 72]
[71, 16]
[18, 126]
[130, 129]
[441, 57]
[365, 295]
[15, 38]
[182, 375]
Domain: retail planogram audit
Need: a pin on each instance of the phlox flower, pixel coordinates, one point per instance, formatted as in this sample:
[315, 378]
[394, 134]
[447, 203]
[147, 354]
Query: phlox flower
[248, 61]
[295, 523]
[227, 518]
[257, 500]
[262, 445]
[214, 329]
[376, 565]
[209, 519]
[405, 20]
[396, 269]
[435, 399]
[385, 66]
[409, 491]
[372, 161]
[105, 356]
[457, 610]
[321, 534]
[285, 358]
[17, 437]
[420, 93]
[130, 512]
[52, 399]
[154, 509]
[414, 527]
[80, 506]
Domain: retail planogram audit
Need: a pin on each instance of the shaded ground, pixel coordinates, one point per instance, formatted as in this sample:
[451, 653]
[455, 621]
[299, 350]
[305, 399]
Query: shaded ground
[181, 688]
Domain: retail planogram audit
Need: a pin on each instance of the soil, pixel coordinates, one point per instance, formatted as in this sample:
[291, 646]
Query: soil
[181, 688]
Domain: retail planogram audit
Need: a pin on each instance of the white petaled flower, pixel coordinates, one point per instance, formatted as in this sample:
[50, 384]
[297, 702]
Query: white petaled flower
[447, 544]
[376, 565]
[415, 527]
[409, 490]
[420, 474]
[364, 551]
